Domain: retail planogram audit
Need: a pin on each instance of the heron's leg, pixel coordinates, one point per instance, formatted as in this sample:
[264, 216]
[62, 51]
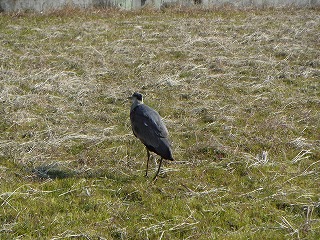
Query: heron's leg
[148, 154]
[155, 177]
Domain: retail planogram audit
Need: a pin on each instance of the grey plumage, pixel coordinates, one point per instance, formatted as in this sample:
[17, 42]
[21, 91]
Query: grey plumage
[148, 126]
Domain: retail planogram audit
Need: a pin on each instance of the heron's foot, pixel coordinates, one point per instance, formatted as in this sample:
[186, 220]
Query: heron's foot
[155, 178]
[157, 175]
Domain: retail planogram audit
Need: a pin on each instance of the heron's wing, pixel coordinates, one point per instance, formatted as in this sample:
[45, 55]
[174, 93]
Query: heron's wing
[147, 125]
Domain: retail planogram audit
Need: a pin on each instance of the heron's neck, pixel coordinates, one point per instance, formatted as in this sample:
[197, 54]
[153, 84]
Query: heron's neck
[135, 103]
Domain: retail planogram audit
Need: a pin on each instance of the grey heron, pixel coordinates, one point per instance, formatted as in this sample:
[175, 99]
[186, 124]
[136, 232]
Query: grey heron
[149, 128]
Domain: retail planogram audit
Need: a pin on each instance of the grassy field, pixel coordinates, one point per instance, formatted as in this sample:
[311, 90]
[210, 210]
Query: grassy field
[239, 92]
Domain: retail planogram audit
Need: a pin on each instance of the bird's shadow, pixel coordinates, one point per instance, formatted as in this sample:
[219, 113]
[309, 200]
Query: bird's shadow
[56, 171]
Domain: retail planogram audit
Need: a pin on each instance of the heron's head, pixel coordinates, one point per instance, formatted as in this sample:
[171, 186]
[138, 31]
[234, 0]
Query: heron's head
[136, 97]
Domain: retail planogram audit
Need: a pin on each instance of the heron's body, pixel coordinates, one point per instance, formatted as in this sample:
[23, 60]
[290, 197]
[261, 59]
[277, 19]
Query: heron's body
[148, 126]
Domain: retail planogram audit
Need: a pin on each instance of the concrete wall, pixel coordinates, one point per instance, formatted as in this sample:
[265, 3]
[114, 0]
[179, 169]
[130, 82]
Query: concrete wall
[237, 3]
[259, 3]
[44, 5]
